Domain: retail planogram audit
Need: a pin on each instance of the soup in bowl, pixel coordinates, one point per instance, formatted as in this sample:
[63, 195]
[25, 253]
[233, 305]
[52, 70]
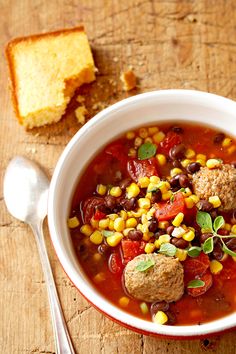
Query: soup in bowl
[141, 212]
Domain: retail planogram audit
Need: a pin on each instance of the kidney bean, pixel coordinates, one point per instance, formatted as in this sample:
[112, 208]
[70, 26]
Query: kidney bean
[219, 138]
[153, 227]
[184, 181]
[231, 243]
[179, 242]
[129, 204]
[177, 130]
[135, 235]
[104, 249]
[110, 201]
[218, 253]
[193, 167]
[170, 229]
[204, 205]
[204, 237]
[177, 152]
[125, 183]
[156, 196]
[159, 306]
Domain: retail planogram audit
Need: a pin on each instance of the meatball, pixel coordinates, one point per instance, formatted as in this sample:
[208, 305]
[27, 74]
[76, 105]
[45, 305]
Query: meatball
[164, 281]
[220, 181]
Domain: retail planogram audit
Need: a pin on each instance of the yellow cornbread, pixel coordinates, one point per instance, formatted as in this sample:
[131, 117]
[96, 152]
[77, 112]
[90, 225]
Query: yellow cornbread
[45, 70]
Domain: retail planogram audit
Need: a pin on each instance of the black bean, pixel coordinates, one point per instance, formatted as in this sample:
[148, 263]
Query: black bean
[170, 229]
[219, 138]
[205, 236]
[218, 253]
[159, 233]
[233, 164]
[177, 163]
[184, 181]
[177, 152]
[171, 318]
[153, 226]
[129, 204]
[204, 205]
[125, 183]
[156, 196]
[103, 208]
[174, 181]
[193, 167]
[135, 235]
[179, 242]
[223, 232]
[104, 249]
[110, 202]
[159, 306]
[231, 243]
[214, 213]
[177, 130]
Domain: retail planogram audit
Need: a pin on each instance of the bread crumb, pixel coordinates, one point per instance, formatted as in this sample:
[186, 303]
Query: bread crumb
[115, 59]
[80, 99]
[129, 80]
[80, 114]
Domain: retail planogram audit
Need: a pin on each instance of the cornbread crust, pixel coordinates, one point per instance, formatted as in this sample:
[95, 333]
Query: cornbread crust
[219, 181]
[66, 85]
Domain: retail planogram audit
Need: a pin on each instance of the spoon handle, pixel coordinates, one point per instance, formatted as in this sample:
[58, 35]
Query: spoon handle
[61, 334]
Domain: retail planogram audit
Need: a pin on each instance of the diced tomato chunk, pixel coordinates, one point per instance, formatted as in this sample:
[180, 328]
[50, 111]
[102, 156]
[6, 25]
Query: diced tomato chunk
[115, 263]
[131, 249]
[89, 208]
[141, 168]
[207, 279]
[118, 151]
[168, 210]
[196, 266]
[170, 140]
[98, 215]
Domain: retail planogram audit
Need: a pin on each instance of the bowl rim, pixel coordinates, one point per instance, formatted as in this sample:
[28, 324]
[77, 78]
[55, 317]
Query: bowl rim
[190, 331]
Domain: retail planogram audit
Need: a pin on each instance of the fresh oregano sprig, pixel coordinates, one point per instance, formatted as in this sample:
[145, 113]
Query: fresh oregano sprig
[204, 220]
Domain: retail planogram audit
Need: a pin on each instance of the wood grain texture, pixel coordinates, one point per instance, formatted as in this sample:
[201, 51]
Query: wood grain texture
[171, 44]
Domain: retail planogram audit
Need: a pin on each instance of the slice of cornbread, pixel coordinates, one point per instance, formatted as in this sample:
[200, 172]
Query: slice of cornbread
[45, 70]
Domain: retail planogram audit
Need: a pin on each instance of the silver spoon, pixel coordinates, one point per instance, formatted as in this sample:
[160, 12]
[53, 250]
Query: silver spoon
[26, 192]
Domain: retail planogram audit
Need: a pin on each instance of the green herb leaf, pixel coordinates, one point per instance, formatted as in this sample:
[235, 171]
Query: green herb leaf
[227, 250]
[204, 220]
[218, 223]
[208, 245]
[145, 265]
[146, 151]
[167, 249]
[107, 233]
[196, 283]
[154, 189]
[194, 251]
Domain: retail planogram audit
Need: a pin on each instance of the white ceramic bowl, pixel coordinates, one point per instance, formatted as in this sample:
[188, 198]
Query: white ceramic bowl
[147, 108]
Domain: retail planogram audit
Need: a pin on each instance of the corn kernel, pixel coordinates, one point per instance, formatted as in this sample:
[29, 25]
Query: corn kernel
[132, 222]
[215, 201]
[149, 248]
[146, 236]
[130, 135]
[96, 237]
[187, 192]
[161, 159]
[231, 149]
[190, 153]
[194, 198]
[115, 191]
[144, 308]
[150, 213]
[119, 224]
[115, 239]
[99, 277]
[157, 244]
[155, 179]
[143, 133]
[227, 226]
[124, 301]
[101, 189]
[148, 195]
[152, 187]
[86, 230]
[167, 195]
[226, 142]
[158, 137]
[148, 140]
[103, 223]
[215, 266]
[113, 216]
[163, 224]
[181, 254]
[213, 163]
[160, 318]
[97, 257]
[201, 157]
[164, 186]
[178, 219]
[143, 182]
[94, 223]
[233, 229]
[225, 256]
[138, 141]
[185, 162]
[127, 230]
[164, 239]
[175, 171]
[144, 219]
[152, 130]
[123, 214]
[132, 152]
[202, 162]
[189, 202]
[111, 225]
[189, 236]
[73, 222]
[144, 203]
[132, 190]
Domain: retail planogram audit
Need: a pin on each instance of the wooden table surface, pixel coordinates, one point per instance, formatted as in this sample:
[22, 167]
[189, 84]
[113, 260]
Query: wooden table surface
[188, 44]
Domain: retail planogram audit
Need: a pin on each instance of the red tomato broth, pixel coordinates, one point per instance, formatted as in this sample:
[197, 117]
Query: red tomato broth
[188, 310]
